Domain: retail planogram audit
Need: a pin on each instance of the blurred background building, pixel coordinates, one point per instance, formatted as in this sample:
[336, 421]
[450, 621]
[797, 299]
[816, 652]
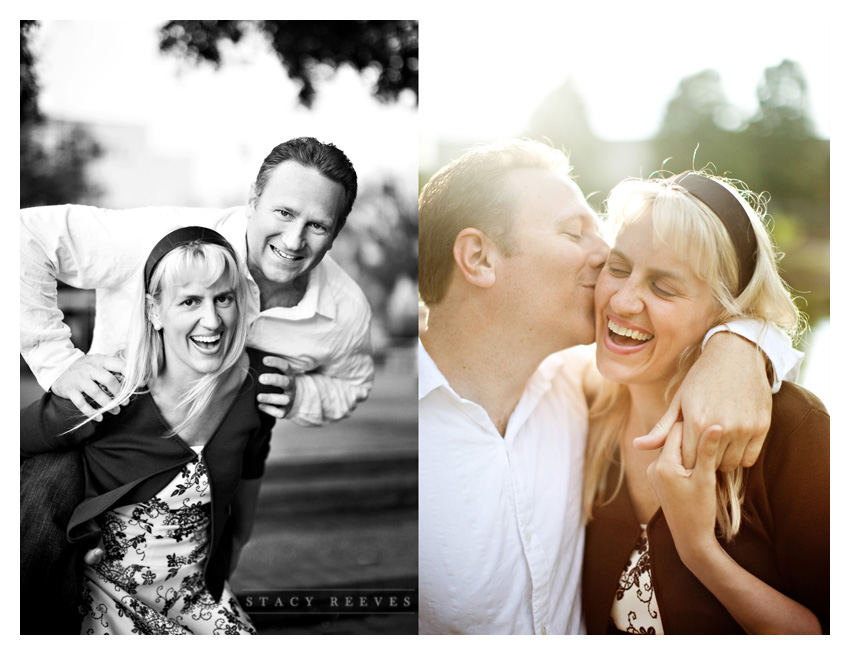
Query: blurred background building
[182, 113]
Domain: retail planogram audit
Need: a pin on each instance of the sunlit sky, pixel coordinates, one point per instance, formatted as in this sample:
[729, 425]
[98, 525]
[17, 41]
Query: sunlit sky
[112, 72]
[483, 79]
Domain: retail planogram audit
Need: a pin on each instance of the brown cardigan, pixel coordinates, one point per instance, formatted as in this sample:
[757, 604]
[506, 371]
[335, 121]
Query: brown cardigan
[784, 537]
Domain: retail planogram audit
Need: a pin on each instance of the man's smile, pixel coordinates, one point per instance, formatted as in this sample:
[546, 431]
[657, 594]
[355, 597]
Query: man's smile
[280, 253]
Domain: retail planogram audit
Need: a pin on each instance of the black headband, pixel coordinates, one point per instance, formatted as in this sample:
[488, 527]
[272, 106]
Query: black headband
[182, 237]
[728, 208]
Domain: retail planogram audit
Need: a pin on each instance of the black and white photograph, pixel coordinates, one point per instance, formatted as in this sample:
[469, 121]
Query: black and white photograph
[218, 327]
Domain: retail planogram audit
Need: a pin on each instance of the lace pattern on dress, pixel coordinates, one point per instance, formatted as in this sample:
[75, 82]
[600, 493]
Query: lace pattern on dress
[635, 608]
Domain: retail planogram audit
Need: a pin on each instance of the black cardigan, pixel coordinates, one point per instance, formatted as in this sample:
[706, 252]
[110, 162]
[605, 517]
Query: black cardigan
[784, 537]
[128, 459]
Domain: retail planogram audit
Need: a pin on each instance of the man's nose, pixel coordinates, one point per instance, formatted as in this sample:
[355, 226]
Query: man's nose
[293, 236]
[598, 253]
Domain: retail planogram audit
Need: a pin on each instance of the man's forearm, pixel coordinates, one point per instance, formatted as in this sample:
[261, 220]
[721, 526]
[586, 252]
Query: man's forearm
[784, 360]
[321, 399]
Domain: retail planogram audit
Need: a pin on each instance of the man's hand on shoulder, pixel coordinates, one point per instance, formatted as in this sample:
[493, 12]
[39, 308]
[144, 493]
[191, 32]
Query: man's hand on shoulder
[728, 387]
[278, 401]
[90, 379]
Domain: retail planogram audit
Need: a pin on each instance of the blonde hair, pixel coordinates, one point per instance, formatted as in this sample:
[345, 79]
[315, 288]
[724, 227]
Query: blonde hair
[144, 355]
[696, 235]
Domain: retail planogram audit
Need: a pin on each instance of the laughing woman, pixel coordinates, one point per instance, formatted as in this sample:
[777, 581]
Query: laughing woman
[671, 550]
[171, 480]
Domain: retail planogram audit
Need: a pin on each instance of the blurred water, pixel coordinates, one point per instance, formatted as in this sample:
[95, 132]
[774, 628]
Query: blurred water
[815, 371]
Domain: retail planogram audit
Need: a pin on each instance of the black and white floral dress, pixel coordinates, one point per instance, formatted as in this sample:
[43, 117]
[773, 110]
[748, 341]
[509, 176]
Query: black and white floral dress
[151, 578]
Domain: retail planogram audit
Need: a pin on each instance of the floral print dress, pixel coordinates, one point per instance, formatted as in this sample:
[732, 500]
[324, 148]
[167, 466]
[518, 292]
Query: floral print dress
[151, 578]
[635, 608]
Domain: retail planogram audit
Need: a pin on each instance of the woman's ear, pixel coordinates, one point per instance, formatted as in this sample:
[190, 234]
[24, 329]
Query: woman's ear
[476, 255]
[152, 313]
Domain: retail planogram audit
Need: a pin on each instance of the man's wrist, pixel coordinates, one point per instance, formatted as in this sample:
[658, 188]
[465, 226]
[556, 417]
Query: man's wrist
[723, 333]
[47, 376]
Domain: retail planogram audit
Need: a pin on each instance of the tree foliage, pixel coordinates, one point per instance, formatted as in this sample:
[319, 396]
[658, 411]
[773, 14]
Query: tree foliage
[774, 150]
[389, 47]
[29, 84]
[561, 119]
[53, 156]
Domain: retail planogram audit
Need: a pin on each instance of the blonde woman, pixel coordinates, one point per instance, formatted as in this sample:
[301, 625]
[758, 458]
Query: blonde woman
[670, 550]
[171, 480]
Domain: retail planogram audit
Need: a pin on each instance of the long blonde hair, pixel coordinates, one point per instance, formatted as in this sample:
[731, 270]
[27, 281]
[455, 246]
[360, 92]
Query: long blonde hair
[144, 355]
[696, 235]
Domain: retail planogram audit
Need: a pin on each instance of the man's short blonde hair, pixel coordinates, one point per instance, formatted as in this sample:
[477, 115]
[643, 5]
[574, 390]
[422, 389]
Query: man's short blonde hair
[471, 192]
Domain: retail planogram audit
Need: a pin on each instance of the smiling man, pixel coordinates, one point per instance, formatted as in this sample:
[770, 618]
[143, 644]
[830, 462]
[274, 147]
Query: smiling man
[303, 307]
[509, 255]
[304, 310]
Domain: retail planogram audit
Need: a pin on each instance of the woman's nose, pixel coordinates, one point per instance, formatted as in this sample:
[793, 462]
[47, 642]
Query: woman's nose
[627, 300]
[210, 318]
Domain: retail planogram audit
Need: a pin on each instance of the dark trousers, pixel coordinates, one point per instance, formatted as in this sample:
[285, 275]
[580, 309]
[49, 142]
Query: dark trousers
[51, 568]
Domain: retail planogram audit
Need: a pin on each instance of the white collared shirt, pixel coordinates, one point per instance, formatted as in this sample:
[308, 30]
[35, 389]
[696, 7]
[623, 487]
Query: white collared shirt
[501, 538]
[325, 337]
[500, 531]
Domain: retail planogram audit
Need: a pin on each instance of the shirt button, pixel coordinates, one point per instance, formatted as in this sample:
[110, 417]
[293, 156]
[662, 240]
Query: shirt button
[527, 537]
[543, 631]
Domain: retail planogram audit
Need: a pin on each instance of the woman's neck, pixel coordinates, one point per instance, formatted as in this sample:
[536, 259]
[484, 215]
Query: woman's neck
[169, 390]
[647, 406]
[172, 384]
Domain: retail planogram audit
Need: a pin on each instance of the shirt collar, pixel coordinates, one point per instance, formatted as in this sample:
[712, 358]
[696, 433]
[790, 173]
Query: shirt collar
[234, 228]
[430, 377]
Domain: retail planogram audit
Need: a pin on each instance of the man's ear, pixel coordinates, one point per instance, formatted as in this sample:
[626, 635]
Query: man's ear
[252, 200]
[476, 256]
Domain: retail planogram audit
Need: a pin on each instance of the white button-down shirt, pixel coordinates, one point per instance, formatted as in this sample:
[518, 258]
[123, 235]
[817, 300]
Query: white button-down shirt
[501, 537]
[325, 337]
[500, 530]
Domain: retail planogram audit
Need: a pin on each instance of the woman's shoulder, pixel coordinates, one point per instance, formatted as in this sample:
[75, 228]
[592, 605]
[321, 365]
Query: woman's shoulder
[255, 358]
[799, 427]
[793, 405]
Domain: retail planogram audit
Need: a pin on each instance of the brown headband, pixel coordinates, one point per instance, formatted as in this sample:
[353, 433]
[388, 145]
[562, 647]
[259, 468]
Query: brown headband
[728, 208]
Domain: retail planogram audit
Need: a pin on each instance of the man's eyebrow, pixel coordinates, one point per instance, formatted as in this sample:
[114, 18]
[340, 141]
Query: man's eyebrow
[583, 218]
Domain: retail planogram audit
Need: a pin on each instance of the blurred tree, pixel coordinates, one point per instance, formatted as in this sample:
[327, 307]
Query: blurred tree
[697, 126]
[783, 103]
[561, 120]
[379, 247]
[790, 160]
[53, 155]
[390, 47]
[29, 84]
[775, 150]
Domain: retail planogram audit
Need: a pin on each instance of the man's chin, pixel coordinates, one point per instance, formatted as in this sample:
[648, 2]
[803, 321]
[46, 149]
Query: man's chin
[279, 272]
[585, 336]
